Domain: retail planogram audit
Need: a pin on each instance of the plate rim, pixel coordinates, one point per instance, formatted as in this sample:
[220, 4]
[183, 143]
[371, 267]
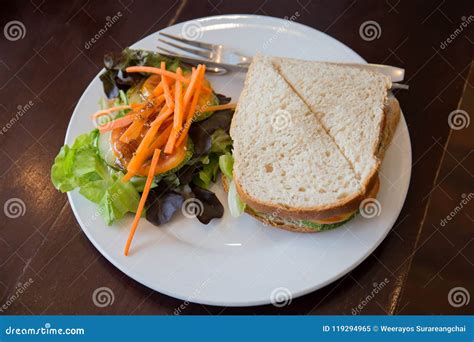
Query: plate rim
[129, 272]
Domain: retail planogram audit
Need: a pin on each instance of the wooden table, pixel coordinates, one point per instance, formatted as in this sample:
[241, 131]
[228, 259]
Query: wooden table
[44, 252]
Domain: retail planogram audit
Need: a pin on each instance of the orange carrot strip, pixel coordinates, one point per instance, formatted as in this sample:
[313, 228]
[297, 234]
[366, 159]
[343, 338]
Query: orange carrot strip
[161, 140]
[191, 87]
[221, 107]
[153, 70]
[167, 73]
[171, 141]
[178, 102]
[166, 88]
[192, 108]
[119, 123]
[141, 205]
[140, 118]
[133, 131]
[108, 111]
[158, 90]
[178, 115]
[140, 154]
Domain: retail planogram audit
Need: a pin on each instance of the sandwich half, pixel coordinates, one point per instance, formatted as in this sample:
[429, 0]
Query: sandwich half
[349, 102]
[306, 155]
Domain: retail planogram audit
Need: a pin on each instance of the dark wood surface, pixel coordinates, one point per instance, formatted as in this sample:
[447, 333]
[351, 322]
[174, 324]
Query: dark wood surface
[423, 259]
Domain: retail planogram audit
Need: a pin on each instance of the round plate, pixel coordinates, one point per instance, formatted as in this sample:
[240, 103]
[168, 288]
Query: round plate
[240, 262]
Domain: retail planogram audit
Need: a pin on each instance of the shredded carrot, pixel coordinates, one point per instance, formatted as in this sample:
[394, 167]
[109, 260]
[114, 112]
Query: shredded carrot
[191, 88]
[161, 140]
[133, 131]
[178, 100]
[171, 141]
[141, 205]
[109, 111]
[221, 107]
[140, 118]
[158, 90]
[119, 123]
[166, 88]
[178, 114]
[167, 73]
[162, 116]
[192, 108]
[158, 71]
[141, 152]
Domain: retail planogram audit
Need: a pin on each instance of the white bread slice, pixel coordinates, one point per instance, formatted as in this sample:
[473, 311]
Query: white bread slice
[392, 116]
[349, 102]
[285, 162]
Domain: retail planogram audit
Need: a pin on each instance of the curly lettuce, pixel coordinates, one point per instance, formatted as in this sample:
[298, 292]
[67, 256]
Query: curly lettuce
[79, 166]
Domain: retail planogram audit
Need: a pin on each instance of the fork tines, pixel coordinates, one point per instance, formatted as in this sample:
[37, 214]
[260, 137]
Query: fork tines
[205, 49]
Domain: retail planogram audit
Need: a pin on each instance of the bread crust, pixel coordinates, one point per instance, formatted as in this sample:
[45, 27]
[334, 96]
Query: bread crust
[392, 118]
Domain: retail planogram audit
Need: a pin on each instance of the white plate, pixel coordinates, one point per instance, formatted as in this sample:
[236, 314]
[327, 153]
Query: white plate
[239, 262]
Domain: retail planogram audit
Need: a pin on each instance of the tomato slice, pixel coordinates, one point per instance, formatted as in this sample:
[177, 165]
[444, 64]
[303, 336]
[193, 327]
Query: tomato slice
[150, 84]
[334, 219]
[167, 161]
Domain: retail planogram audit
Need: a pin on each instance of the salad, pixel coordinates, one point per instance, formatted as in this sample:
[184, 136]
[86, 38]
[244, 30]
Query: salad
[161, 133]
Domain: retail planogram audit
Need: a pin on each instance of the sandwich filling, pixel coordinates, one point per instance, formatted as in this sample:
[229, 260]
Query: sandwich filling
[316, 225]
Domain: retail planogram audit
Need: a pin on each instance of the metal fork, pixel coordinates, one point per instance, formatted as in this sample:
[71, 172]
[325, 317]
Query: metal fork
[220, 59]
[217, 53]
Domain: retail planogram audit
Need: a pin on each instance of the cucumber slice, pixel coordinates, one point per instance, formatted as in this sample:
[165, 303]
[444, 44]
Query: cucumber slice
[206, 100]
[104, 145]
[187, 157]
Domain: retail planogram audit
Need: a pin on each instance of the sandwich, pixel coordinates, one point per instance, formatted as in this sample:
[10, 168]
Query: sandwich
[308, 141]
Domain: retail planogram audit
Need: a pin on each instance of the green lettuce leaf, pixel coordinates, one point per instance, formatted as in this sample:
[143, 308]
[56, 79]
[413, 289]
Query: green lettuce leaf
[236, 206]
[208, 173]
[80, 166]
[226, 164]
[221, 143]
